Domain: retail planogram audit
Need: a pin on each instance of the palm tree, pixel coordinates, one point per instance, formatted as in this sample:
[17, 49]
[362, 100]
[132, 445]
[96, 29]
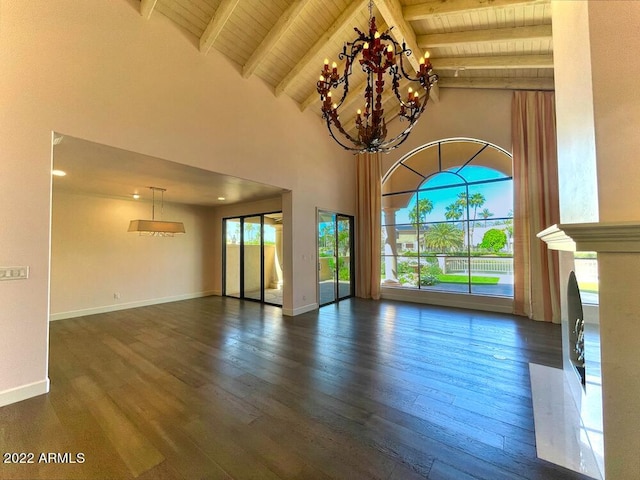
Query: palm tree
[485, 213]
[476, 200]
[444, 237]
[249, 232]
[418, 215]
[509, 227]
[455, 211]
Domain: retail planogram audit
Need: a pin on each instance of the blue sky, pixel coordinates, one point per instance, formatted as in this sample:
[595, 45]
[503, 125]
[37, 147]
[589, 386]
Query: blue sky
[498, 195]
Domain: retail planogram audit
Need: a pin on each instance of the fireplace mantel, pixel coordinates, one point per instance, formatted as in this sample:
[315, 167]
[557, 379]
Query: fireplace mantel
[623, 237]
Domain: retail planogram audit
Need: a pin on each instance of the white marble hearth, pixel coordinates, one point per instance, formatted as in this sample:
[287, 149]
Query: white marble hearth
[600, 421]
[562, 437]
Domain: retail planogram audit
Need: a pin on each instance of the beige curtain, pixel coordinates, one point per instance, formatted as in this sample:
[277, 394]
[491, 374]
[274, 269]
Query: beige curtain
[535, 178]
[368, 224]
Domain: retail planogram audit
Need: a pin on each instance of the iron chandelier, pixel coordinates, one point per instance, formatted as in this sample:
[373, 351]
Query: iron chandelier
[377, 60]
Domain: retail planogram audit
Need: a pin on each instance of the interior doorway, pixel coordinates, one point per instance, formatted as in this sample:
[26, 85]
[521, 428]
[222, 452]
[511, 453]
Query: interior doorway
[335, 266]
[252, 258]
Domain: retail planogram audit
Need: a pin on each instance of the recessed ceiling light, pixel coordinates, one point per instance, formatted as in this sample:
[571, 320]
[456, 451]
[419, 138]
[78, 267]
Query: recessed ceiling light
[58, 173]
[221, 198]
[136, 196]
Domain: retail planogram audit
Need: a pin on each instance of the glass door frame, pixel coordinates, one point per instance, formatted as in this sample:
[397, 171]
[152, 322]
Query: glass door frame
[336, 219]
[241, 264]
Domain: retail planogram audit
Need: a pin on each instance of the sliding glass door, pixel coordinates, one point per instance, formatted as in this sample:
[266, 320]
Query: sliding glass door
[335, 268]
[253, 258]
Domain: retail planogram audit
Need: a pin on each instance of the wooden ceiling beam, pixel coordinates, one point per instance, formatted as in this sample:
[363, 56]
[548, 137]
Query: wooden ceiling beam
[538, 32]
[402, 32]
[355, 93]
[501, 83]
[146, 8]
[434, 8]
[273, 37]
[330, 35]
[217, 23]
[498, 62]
[391, 11]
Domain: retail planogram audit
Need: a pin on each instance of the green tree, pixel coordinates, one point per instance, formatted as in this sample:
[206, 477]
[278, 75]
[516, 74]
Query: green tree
[485, 213]
[250, 233]
[494, 240]
[476, 200]
[509, 224]
[455, 211]
[418, 215]
[444, 237]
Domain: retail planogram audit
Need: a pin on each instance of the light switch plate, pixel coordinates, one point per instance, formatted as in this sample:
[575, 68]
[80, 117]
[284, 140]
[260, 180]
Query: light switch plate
[14, 273]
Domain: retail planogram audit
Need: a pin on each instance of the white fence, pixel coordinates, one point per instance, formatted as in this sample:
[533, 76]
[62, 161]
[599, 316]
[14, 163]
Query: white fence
[503, 266]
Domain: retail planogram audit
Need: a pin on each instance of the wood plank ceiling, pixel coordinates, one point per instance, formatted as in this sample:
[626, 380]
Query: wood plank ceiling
[496, 44]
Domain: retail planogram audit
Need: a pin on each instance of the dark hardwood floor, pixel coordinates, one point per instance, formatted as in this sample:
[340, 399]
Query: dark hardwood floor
[221, 388]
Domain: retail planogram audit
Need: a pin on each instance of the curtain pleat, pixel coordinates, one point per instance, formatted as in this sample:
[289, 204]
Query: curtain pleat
[536, 205]
[368, 224]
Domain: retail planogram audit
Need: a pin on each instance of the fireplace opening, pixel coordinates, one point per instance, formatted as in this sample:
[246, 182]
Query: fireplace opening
[576, 328]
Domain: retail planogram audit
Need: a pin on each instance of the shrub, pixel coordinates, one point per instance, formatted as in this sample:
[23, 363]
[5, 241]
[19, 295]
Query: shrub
[408, 279]
[494, 240]
[428, 279]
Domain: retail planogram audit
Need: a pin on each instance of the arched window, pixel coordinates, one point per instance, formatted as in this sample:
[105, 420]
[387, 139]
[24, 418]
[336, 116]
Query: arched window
[447, 221]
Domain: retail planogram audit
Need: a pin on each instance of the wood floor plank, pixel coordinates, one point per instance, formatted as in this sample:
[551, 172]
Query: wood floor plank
[219, 388]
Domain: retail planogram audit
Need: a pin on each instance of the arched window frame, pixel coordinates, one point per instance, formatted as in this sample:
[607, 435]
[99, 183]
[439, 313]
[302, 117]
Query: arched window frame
[471, 258]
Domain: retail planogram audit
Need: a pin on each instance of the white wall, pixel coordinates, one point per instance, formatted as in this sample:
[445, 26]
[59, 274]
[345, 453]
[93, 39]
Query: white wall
[93, 257]
[595, 49]
[577, 173]
[99, 71]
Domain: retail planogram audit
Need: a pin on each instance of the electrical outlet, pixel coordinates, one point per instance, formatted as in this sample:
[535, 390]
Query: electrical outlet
[116, 296]
[14, 273]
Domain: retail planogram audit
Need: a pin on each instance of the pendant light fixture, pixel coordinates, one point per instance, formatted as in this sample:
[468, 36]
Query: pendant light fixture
[153, 227]
[381, 58]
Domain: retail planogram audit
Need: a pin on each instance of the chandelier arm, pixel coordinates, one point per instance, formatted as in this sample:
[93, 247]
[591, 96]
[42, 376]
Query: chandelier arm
[405, 133]
[377, 53]
[333, 121]
[395, 86]
[335, 138]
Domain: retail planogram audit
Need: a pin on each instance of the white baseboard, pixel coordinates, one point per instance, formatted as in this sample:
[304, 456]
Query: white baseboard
[24, 392]
[288, 312]
[472, 302]
[125, 306]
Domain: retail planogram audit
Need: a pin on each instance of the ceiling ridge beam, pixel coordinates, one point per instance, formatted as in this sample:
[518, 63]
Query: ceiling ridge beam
[329, 36]
[434, 40]
[273, 37]
[351, 98]
[402, 32]
[502, 83]
[497, 62]
[391, 11]
[435, 8]
[217, 23]
[146, 8]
